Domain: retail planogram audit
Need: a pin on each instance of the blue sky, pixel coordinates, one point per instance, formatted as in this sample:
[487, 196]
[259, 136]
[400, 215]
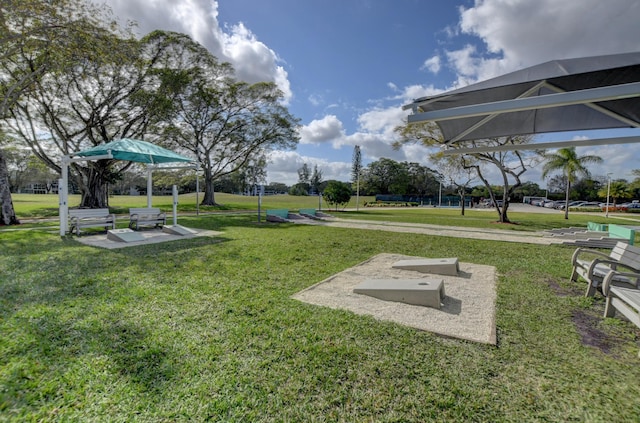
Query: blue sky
[347, 66]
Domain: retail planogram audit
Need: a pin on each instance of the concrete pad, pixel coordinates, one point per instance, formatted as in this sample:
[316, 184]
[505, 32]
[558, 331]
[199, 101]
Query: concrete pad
[178, 230]
[424, 292]
[440, 266]
[124, 235]
[152, 236]
[467, 312]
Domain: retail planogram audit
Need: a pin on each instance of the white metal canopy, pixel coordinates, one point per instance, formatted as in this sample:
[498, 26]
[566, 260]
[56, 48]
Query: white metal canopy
[122, 149]
[601, 92]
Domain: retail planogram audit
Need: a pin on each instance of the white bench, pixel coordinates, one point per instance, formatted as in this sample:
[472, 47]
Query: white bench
[594, 265]
[625, 299]
[149, 216]
[91, 218]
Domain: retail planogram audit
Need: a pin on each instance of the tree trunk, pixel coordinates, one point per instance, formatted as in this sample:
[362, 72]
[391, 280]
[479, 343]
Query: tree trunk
[95, 193]
[504, 218]
[209, 198]
[8, 214]
[566, 200]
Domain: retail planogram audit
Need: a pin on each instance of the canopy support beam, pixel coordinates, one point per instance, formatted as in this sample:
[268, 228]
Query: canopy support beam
[615, 92]
[472, 128]
[543, 146]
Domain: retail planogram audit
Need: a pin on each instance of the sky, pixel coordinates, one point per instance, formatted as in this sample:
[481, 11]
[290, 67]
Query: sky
[346, 67]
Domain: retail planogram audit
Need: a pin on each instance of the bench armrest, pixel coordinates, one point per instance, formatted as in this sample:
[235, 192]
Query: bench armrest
[582, 250]
[613, 264]
[609, 279]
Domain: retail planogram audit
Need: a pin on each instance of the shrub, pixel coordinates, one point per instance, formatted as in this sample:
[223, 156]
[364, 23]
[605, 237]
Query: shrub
[338, 193]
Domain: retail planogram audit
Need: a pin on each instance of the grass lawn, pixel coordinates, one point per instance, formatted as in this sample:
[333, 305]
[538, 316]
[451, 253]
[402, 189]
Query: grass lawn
[46, 205]
[204, 330]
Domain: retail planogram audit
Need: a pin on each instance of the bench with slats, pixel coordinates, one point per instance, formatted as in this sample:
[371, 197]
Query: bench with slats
[90, 218]
[149, 216]
[622, 299]
[593, 265]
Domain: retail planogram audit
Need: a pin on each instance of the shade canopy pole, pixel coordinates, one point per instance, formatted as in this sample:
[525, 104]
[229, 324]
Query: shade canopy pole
[149, 184]
[63, 187]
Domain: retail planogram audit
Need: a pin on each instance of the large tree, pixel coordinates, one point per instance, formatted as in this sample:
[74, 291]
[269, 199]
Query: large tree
[85, 89]
[459, 174]
[422, 180]
[223, 122]
[567, 161]
[511, 165]
[33, 29]
[386, 176]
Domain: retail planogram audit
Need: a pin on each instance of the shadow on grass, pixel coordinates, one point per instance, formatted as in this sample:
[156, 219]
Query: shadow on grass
[65, 311]
[123, 350]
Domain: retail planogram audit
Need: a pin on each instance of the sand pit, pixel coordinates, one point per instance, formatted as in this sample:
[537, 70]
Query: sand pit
[467, 312]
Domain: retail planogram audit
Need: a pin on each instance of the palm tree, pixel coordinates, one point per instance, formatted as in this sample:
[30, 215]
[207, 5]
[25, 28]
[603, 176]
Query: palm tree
[571, 165]
[617, 190]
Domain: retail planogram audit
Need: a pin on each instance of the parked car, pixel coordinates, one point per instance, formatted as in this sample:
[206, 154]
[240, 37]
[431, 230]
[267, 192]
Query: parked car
[573, 204]
[587, 205]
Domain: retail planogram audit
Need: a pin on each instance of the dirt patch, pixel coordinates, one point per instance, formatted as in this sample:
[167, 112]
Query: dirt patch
[497, 222]
[562, 291]
[587, 326]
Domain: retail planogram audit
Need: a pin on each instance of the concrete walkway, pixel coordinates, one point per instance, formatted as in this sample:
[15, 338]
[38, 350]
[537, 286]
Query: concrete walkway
[426, 229]
[459, 231]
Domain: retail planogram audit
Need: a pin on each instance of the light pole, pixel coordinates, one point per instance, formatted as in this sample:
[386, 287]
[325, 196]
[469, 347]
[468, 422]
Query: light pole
[546, 191]
[606, 213]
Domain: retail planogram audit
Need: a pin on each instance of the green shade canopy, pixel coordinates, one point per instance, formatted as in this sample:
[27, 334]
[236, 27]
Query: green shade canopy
[131, 150]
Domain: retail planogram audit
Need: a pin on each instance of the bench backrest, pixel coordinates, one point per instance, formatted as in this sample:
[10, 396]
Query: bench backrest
[599, 227]
[626, 254]
[310, 212]
[617, 231]
[88, 213]
[145, 210]
[283, 213]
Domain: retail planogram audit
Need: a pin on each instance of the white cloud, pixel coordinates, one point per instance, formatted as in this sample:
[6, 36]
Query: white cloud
[381, 120]
[316, 99]
[525, 33]
[236, 44]
[252, 59]
[413, 92]
[432, 64]
[283, 167]
[327, 129]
